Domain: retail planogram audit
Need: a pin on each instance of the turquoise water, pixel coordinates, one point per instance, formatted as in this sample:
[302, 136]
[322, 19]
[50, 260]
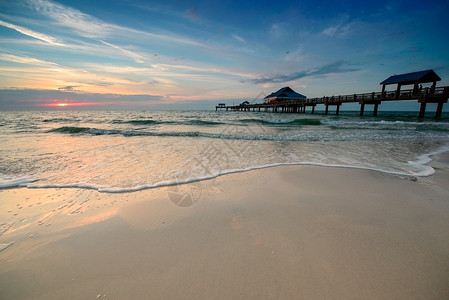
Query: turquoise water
[124, 151]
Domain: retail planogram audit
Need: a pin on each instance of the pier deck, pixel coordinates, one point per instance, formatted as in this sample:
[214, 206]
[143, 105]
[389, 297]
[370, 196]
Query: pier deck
[437, 95]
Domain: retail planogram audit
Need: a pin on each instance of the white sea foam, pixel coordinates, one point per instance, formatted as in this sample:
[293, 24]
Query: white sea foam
[425, 159]
[7, 182]
[422, 161]
[95, 151]
[418, 167]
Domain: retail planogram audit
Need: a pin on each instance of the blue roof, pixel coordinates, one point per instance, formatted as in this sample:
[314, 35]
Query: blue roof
[414, 77]
[286, 92]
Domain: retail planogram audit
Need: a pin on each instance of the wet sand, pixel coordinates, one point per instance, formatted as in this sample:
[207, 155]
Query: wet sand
[296, 232]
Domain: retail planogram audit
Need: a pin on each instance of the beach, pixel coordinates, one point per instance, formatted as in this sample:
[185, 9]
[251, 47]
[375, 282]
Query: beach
[288, 232]
[224, 150]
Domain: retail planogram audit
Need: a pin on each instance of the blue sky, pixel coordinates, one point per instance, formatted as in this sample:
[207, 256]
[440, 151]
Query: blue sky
[156, 54]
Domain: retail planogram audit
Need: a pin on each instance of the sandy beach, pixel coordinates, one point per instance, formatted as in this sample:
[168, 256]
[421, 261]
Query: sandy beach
[296, 232]
[224, 150]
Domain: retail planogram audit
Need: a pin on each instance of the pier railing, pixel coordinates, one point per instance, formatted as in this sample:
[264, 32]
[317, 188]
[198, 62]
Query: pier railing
[410, 94]
[438, 95]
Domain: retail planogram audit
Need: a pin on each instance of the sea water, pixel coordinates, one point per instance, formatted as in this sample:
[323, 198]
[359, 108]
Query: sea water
[125, 151]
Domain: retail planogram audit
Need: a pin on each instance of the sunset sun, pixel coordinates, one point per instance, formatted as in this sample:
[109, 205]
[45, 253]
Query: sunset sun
[70, 104]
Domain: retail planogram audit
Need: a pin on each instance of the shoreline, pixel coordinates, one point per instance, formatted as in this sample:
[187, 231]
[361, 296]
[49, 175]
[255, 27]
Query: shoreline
[423, 159]
[288, 232]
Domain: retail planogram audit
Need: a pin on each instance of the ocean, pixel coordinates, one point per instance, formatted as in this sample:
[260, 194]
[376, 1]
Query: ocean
[126, 151]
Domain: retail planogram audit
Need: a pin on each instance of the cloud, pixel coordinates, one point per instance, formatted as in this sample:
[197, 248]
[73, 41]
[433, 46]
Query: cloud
[136, 57]
[28, 32]
[337, 67]
[36, 73]
[68, 17]
[69, 88]
[338, 30]
[277, 30]
[342, 26]
[27, 60]
[239, 38]
[35, 98]
[91, 27]
[331, 31]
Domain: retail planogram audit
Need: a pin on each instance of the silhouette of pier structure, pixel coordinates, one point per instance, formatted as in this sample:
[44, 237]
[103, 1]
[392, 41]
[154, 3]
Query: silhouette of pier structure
[286, 100]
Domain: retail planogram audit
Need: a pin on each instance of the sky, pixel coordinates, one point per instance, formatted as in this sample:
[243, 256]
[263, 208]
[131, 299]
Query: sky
[136, 54]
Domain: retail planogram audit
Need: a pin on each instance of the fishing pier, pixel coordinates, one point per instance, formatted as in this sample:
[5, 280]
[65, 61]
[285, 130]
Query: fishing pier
[286, 100]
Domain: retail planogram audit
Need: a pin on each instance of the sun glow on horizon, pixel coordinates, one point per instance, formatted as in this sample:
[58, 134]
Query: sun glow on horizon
[69, 104]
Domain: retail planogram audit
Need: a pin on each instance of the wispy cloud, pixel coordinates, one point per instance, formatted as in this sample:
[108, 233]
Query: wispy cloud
[66, 16]
[239, 38]
[160, 8]
[91, 27]
[330, 31]
[337, 67]
[337, 30]
[31, 33]
[26, 60]
[45, 74]
[136, 57]
[341, 26]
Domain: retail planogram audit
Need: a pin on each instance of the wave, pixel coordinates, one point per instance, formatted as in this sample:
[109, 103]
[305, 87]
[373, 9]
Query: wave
[423, 159]
[385, 122]
[283, 122]
[28, 182]
[154, 122]
[136, 122]
[205, 123]
[71, 129]
[244, 135]
[387, 125]
[132, 133]
[16, 182]
[59, 120]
